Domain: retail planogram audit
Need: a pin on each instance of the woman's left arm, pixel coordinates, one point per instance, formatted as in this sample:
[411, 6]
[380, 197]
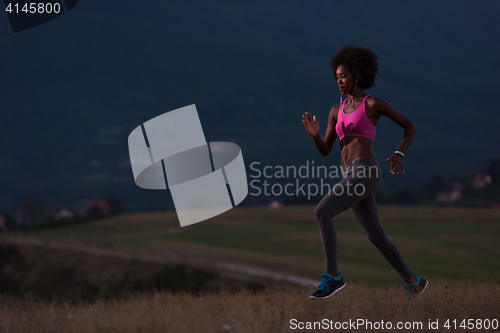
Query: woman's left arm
[386, 109]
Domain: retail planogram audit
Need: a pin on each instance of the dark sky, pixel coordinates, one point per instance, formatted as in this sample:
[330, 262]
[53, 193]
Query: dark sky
[72, 89]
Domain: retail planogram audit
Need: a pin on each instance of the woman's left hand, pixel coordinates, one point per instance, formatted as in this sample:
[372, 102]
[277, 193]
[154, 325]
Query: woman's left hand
[396, 163]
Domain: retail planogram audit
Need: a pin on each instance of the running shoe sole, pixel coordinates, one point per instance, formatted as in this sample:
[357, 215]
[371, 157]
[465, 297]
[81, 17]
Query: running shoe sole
[325, 297]
[426, 283]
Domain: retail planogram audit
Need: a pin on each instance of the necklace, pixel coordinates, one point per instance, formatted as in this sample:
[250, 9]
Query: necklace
[351, 104]
[359, 99]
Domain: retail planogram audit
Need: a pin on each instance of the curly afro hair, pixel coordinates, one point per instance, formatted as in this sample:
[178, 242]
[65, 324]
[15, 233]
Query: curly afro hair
[360, 61]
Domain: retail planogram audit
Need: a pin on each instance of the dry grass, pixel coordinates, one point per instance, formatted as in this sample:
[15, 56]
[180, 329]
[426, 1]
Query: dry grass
[269, 311]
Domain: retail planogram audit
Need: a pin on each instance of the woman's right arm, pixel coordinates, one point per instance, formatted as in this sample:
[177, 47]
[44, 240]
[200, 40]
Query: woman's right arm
[312, 127]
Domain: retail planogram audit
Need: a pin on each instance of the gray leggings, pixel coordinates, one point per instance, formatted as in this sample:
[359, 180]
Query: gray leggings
[361, 178]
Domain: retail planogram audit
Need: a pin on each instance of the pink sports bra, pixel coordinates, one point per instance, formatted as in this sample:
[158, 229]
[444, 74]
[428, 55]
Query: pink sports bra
[355, 123]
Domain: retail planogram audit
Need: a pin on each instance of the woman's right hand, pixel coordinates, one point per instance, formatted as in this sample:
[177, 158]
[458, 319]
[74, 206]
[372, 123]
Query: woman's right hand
[311, 124]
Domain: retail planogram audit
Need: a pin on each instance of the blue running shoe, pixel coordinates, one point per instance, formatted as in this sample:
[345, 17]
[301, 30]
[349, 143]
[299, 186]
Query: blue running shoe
[417, 288]
[328, 286]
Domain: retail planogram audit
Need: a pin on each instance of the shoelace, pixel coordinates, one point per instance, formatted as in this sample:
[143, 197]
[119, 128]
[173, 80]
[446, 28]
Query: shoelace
[411, 288]
[324, 283]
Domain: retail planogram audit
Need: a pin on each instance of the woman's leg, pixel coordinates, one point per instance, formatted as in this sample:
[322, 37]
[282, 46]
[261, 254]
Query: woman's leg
[324, 215]
[361, 178]
[366, 212]
[341, 197]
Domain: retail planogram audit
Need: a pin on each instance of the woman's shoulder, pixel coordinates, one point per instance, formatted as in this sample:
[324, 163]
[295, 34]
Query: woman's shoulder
[375, 103]
[336, 107]
[374, 100]
[334, 111]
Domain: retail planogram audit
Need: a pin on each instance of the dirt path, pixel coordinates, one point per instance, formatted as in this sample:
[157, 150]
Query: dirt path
[163, 256]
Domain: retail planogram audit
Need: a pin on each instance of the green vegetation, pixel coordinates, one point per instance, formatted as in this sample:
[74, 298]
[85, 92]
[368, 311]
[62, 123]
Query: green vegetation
[449, 243]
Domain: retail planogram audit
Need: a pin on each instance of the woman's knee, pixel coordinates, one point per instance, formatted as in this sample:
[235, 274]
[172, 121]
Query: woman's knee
[321, 211]
[318, 211]
[376, 240]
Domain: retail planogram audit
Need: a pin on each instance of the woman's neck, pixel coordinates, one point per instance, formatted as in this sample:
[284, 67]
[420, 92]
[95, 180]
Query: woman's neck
[358, 95]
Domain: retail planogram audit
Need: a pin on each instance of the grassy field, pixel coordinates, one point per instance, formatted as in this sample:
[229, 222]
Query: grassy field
[458, 250]
[272, 310]
[444, 243]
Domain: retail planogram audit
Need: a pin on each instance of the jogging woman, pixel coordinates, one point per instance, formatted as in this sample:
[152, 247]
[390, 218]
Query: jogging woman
[354, 121]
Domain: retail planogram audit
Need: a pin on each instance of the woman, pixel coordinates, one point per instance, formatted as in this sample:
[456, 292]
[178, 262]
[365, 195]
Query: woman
[355, 121]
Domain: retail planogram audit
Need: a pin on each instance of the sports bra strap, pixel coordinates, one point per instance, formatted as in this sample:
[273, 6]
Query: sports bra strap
[364, 99]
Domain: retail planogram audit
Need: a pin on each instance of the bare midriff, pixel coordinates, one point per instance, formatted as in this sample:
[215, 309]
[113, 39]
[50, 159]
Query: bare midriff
[353, 147]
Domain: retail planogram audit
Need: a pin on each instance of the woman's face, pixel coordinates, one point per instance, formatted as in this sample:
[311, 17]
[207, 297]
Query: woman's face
[345, 80]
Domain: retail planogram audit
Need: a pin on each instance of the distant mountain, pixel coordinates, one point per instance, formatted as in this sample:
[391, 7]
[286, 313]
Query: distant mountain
[74, 88]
